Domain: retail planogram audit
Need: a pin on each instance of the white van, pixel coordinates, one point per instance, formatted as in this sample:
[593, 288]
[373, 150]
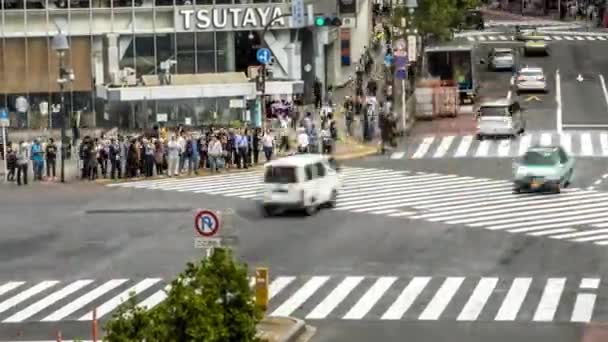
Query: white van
[501, 118]
[304, 182]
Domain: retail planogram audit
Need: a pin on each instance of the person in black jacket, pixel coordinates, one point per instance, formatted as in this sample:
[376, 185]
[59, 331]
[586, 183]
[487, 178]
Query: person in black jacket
[114, 155]
[51, 158]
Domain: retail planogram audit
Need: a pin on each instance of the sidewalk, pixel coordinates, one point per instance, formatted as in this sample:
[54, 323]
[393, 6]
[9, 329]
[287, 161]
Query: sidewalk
[284, 329]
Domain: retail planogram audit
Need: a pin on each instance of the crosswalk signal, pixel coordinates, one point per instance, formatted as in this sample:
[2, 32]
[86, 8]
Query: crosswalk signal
[328, 21]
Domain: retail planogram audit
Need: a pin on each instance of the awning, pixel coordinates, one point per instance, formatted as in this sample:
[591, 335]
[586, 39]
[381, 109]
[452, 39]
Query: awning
[194, 86]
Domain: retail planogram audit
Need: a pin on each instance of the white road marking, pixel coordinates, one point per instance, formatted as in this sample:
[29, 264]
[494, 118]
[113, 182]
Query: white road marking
[444, 146]
[397, 155]
[583, 307]
[590, 283]
[370, 298]
[545, 139]
[513, 300]
[423, 148]
[334, 298]
[558, 100]
[301, 296]
[442, 298]
[463, 147]
[566, 142]
[483, 148]
[478, 299]
[604, 89]
[545, 312]
[25, 295]
[406, 298]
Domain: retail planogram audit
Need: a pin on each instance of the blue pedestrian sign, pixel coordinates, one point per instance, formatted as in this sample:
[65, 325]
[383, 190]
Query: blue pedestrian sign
[4, 120]
[263, 55]
[206, 223]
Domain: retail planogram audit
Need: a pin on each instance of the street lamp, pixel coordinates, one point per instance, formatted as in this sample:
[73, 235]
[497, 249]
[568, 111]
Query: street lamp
[61, 45]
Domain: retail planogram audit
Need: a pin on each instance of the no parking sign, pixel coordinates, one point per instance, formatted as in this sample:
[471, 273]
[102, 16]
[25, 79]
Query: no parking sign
[206, 223]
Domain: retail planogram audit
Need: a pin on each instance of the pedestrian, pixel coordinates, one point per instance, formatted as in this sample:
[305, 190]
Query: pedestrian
[37, 155]
[159, 156]
[11, 162]
[255, 144]
[173, 155]
[195, 156]
[148, 152]
[215, 153]
[268, 145]
[242, 146]
[23, 158]
[51, 159]
[302, 140]
[114, 156]
[181, 140]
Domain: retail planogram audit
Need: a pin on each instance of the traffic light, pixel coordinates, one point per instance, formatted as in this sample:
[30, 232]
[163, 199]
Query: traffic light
[328, 21]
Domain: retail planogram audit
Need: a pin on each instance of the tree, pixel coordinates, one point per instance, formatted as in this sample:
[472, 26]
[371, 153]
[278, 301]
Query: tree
[437, 17]
[210, 301]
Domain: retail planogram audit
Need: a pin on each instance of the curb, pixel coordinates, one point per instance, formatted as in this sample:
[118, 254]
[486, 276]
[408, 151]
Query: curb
[295, 332]
[358, 155]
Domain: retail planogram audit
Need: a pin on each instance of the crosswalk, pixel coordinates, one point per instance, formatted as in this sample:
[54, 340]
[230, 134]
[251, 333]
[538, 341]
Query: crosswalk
[351, 297]
[529, 23]
[581, 144]
[575, 215]
[571, 37]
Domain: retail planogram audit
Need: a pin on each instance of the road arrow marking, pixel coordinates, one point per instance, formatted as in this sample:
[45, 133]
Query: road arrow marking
[533, 97]
[580, 78]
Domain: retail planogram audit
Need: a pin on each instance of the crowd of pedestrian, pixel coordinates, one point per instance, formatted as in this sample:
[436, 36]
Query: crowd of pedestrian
[39, 154]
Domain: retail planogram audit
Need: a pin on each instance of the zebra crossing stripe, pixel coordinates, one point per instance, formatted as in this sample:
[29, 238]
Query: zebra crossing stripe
[8, 287]
[406, 298]
[441, 299]
[370, 298]
[113, 303]
[513, 300]
[545, 312]
[47, 301]
[464, 146]
[22, 296]
[294, 302]
[443, 147]
[583, 308]
[334, 298]
[156, 298]
[566, 142]
[424, 147]
[586, 144]
[84, 300]
[278, 285]
[504, 148]
[483, 149]
[478, 299]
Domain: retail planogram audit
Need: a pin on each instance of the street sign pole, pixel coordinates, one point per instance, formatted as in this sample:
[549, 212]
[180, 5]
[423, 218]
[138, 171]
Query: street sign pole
[207, 226]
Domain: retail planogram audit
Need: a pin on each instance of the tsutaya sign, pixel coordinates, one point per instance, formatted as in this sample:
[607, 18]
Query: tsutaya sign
[230, 18]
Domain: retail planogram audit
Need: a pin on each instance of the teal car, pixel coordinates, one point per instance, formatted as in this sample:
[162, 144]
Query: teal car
[543, 168]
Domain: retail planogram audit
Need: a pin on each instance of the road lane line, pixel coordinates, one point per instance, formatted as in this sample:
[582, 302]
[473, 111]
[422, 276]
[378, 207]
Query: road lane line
[566, 142]
[478, 299]
[552, 231]
[47, 301]
[66, 310]
[586, 144]
[406, 298]
[545, 312]
[513, 300]
[442, 298]
[583, 308]
[423, 148]
[278, 285]
[370, 298]
[591, 238]
[604, 143]
[558, 100]
[604, 89]
[113, 303]
[397, 155]
[589, 283]
[545, 139]
[579, 38]
[10, 286]
[444, 146]
[569, 38]
[463, 147]
[25, 295]
[155, 299]
[579, 234]
[524, 144]
[301, 296]
[504, 148]
[334, 298]
[483, 148]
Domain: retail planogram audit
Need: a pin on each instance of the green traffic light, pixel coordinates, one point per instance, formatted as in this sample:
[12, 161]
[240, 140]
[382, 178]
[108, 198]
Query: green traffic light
[319, 21]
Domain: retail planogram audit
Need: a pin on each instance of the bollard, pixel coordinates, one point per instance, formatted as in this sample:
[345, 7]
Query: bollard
[261, 287]
[94, 326]
[59, 337]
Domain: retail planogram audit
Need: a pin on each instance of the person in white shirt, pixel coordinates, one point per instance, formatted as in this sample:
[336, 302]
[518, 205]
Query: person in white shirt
[302, 140]
[215, 153]
[268, 144]
[173, 157]
[182, 156]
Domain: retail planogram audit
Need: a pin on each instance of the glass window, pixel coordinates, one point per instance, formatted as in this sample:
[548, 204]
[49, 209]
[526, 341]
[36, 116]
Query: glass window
[320, 170]
[563, 156]
[281, 175]
[185, 53]
[493, 111]
[205, 56]
[540, 158]
[309, 172]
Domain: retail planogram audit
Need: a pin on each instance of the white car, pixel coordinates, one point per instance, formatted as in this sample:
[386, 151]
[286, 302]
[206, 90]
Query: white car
[530, 79]
[303, 181]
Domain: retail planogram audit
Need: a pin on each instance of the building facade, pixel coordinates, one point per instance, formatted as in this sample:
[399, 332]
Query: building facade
[137, 62]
